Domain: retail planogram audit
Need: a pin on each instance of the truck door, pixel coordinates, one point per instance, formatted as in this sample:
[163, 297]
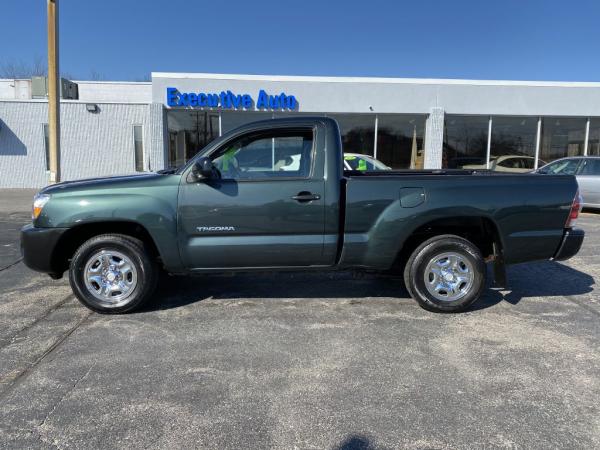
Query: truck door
[265, 210]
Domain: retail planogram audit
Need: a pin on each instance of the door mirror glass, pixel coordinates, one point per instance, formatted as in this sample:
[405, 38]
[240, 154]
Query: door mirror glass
[204, 169]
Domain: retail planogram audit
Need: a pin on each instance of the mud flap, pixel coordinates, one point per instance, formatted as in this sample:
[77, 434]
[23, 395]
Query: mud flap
[500, 278]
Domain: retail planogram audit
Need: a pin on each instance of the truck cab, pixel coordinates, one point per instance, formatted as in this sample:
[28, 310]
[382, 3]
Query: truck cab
[270, 200]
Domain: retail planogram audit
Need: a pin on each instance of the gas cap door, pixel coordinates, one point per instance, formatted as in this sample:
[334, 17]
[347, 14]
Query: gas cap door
[411, 196]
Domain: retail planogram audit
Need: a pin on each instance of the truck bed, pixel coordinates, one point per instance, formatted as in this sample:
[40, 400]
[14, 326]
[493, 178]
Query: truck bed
[527, 211]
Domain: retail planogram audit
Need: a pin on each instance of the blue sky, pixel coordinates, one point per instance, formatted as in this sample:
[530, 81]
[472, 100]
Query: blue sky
[127, 39]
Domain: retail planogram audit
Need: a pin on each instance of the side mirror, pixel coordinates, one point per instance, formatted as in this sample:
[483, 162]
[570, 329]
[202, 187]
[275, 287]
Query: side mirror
[204, 169]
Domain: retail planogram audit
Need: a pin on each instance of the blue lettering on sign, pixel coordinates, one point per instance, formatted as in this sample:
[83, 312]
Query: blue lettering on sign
[230, 100]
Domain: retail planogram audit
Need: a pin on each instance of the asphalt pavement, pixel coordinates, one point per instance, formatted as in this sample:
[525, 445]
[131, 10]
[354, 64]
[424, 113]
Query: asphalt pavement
[325, 360]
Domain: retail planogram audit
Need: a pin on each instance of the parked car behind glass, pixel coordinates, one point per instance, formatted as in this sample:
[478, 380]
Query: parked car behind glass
[508, 163]
[587, 171]
[364, 163]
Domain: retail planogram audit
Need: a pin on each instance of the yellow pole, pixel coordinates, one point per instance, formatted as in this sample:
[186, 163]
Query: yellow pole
[53, 92]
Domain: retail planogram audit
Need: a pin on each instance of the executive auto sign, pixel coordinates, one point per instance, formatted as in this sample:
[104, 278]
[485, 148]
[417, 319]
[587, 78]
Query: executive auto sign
[229, 100]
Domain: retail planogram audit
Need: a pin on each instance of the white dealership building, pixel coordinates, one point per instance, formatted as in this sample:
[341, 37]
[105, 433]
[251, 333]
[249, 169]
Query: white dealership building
[110, 128]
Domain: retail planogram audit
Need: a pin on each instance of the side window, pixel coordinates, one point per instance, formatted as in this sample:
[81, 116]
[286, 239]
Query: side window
[528, 163]
[511, 163]
[138, 146]
[47, 146]
[590, 167]
[275, 154]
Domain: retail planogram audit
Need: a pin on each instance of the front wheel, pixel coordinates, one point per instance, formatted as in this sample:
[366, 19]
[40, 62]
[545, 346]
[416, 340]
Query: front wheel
[113, 273]
[445, 274]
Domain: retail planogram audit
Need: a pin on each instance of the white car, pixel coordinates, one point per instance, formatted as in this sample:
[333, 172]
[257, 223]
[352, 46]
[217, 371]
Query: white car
[508, 163]
[587, 171]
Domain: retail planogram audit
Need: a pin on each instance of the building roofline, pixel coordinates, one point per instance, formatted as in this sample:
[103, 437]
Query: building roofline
[325, 79]
[70, 101]
[145, 83]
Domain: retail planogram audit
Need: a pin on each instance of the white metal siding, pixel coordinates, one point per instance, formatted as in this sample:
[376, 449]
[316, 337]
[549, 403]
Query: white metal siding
[116, 91]
[92, 144]
[22, 154]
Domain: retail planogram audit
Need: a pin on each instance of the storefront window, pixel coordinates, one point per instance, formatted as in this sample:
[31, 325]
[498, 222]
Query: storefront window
[400, 140]
[513, 144]
[562, 136]
[189, 132]
[465, 141]
[594, 140]
[358, 132]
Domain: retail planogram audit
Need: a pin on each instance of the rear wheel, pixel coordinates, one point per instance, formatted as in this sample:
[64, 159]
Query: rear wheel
[445, 274]
[113, 273]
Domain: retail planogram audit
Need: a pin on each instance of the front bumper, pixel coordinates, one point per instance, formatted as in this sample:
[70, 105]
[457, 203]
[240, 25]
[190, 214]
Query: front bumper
[570, 244]
[38, 246]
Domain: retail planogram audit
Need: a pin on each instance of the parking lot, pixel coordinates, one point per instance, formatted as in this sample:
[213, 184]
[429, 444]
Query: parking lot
[328, 360]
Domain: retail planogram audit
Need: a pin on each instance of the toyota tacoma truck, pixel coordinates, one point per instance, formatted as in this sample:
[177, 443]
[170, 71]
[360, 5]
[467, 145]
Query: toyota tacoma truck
[274, 195]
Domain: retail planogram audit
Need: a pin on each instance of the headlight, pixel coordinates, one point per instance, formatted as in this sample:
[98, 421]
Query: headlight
[38, 204]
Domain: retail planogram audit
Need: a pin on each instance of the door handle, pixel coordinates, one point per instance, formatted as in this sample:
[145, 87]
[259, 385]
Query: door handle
[305, 196]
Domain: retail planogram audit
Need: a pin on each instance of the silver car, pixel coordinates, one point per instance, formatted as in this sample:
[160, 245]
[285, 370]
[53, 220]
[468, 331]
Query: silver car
[587, 171]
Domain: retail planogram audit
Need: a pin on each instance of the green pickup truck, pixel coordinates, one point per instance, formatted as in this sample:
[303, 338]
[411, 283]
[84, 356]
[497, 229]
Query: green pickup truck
[274, 195]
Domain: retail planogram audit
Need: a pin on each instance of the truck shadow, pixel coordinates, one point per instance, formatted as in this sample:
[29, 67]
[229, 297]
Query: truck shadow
[541, 279]
[545, 279]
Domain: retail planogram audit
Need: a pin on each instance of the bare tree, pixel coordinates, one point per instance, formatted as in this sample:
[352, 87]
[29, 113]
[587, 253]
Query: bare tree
[145, 77]
[96, 76]
[21, 69]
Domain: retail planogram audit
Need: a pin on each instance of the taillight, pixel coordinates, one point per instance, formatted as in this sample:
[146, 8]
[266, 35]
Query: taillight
[575, 209]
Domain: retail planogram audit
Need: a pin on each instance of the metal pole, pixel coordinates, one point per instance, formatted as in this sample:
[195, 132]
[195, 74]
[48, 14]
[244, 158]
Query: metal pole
[587, 137]
[375, 137]
[488, 152]
[538, 141]
[53, 91]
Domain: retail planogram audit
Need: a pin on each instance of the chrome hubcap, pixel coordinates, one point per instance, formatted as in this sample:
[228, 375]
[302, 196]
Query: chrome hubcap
[110, 277]
[449, 276]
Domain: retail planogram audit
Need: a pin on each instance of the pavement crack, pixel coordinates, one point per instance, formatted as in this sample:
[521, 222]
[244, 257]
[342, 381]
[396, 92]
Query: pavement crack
[41, 426]
[2, 269]
[65, 395]
[24, 373]
[50, 310]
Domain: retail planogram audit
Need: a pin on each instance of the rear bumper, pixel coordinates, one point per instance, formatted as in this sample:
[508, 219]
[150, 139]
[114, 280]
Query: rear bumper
[570, 244]
[38, 247]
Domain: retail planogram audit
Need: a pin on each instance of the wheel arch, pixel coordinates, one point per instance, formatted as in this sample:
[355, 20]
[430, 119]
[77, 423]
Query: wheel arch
[72, 239]
[482, 231]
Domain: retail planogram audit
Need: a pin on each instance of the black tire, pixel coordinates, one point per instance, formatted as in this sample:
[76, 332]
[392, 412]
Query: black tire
[415, 269]
[136, 253]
